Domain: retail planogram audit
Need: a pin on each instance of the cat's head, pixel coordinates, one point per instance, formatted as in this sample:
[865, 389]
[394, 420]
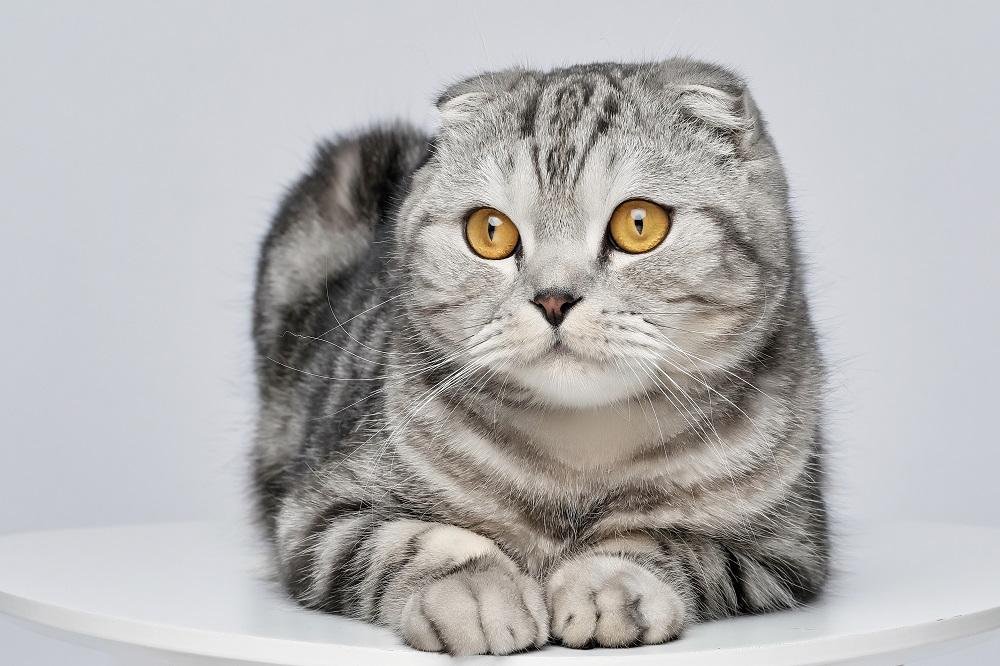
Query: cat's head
[595, 232]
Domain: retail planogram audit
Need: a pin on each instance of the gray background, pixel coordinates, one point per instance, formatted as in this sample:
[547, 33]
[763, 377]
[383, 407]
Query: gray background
[143, 146]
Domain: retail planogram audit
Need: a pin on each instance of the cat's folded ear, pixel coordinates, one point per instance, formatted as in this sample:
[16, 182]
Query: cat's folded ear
[715, 97]
[461, 101]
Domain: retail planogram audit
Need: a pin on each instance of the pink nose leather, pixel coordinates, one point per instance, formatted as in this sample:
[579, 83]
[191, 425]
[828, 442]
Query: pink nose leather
[554, 305]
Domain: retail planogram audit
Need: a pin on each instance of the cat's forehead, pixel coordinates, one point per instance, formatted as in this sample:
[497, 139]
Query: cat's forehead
[574, 124]
[563, 116]
[562, 113]
[562, 139]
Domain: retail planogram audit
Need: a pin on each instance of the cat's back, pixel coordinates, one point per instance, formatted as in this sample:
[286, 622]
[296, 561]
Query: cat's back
[319, 328]
[328, 221]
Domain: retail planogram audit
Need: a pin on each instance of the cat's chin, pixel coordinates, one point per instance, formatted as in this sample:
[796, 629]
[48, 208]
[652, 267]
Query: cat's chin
[566, 381]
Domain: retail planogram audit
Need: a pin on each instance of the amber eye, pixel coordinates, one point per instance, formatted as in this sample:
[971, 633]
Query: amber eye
[638, 226]
[491, 234]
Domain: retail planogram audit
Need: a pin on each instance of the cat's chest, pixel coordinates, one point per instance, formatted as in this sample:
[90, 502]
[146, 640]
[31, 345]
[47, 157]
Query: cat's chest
[557, 483]
[591, 441]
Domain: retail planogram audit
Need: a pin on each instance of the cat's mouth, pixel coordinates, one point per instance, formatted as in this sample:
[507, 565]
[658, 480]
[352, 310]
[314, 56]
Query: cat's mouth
[560, 348]
[560, 351]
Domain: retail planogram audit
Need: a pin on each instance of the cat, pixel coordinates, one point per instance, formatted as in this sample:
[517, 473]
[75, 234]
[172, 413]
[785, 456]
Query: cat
[547, 375]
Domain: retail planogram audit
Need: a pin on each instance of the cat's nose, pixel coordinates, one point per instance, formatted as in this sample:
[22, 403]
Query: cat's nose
[555, 304]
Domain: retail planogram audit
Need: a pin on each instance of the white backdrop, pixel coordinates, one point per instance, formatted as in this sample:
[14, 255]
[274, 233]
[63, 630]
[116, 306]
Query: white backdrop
[143, 146]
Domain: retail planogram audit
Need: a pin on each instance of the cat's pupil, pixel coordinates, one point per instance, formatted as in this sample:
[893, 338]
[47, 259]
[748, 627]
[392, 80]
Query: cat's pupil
[491, 227]
[638, 215]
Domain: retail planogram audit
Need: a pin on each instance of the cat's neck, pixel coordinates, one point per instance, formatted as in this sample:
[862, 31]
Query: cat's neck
[602, 437]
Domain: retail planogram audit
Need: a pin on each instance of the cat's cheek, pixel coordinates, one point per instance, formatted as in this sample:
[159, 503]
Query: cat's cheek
[443, 265]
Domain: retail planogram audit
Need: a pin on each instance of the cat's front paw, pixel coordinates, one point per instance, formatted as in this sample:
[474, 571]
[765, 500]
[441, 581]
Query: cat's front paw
[613, 602]
[484, 607]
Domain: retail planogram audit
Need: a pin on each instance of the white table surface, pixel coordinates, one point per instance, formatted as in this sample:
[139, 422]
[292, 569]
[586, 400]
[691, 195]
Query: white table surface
[198, 593]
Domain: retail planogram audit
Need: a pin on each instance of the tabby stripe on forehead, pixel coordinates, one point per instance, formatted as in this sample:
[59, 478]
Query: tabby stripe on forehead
[537, 167]
[609, 109]
[529, 114]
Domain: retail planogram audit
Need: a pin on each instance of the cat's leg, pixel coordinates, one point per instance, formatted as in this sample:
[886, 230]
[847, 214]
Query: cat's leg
[479, 604]
[441, 587]
[645, 588]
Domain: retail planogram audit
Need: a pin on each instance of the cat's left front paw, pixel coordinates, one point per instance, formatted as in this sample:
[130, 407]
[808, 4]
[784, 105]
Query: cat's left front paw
[611, 601]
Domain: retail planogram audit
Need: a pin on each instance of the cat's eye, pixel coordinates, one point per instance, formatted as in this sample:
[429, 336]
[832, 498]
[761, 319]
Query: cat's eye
[491, 234]
[638, 226]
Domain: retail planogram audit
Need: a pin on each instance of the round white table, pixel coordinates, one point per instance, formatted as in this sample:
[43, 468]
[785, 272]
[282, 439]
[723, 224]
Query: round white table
[196, 593]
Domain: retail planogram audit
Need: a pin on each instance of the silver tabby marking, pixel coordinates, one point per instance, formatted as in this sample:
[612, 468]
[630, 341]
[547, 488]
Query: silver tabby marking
[434, 456]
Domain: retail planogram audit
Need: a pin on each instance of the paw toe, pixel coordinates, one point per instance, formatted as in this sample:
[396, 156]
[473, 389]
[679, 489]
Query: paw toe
[417, 630]
[619, 623]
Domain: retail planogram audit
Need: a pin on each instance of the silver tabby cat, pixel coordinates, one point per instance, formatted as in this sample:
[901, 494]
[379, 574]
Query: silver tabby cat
[574, 442]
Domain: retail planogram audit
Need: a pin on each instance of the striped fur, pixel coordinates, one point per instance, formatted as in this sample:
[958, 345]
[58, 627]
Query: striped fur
[432, 455]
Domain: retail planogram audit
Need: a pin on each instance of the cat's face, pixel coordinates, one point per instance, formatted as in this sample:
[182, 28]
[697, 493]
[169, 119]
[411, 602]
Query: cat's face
[557, 154]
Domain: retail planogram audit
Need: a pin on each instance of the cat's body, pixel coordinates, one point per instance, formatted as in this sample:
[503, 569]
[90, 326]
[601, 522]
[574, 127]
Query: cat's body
[436, 456]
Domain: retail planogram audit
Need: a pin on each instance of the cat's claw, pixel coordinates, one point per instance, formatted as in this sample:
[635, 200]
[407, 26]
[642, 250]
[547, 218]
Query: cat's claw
[481, 609]
[611, 601]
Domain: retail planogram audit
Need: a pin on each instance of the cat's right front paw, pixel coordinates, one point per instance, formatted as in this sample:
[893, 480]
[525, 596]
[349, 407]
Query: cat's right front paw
[610, 601]
[484, 607]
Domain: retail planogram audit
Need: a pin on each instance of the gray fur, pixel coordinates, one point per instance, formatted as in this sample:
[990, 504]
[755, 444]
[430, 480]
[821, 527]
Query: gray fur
[424, 442]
